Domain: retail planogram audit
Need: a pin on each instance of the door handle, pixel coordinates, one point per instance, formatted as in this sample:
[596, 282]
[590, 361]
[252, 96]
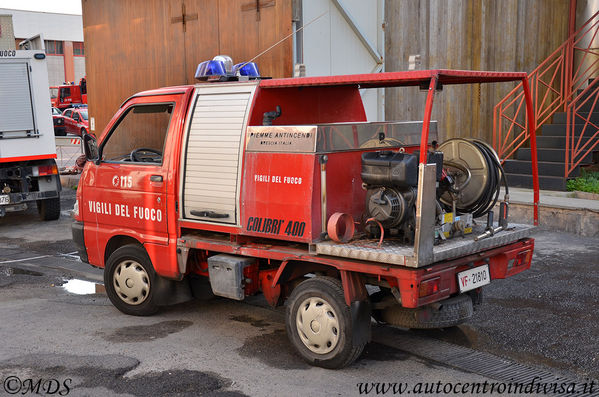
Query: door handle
[156, 178]
[208, 214]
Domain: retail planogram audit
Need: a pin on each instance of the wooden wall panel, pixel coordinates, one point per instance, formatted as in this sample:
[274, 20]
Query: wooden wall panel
[278, 62]
[201, 38]
[130, 46]
[507, 35]
[137, 45]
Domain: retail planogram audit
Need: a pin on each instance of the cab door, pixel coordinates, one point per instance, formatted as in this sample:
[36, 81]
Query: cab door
[129, 192]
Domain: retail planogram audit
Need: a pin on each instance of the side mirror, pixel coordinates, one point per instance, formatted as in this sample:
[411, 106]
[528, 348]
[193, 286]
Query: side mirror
[90, 147]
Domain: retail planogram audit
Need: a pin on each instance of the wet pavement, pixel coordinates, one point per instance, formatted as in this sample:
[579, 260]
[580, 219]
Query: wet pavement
[78, 375]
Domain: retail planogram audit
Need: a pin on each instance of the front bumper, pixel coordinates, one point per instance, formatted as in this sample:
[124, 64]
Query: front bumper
[79, 240]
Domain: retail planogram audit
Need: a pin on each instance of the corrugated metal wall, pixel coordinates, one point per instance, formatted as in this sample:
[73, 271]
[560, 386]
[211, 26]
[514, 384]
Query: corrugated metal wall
[506, 35]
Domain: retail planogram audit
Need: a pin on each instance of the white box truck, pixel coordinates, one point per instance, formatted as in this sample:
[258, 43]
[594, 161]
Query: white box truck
[28, 171]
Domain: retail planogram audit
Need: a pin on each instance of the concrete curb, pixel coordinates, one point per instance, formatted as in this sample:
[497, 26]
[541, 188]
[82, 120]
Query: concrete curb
[580, 221]
[558, 211]
[586, 195]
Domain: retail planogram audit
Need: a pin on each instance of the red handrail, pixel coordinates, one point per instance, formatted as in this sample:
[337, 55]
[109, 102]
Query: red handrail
[554, 85]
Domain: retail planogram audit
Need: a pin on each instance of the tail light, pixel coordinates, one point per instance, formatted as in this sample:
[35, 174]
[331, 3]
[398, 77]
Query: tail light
[42, 170]
[523, 258]
[429, 287]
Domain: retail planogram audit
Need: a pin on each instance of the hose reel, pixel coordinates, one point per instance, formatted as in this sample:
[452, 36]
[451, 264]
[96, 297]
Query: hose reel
[475, 172]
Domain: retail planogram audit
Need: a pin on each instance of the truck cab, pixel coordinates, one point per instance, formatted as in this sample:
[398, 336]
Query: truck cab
[66, 95]
[283, 187]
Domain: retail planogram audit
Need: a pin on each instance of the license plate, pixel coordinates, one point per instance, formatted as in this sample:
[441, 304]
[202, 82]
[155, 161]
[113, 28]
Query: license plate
[4, 199]
[474, 278]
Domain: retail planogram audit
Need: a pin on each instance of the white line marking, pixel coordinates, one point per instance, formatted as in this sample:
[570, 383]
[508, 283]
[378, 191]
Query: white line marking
[76, 257]
[26, 259]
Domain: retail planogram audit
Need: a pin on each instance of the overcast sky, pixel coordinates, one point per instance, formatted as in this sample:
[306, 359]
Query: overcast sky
[59, 6]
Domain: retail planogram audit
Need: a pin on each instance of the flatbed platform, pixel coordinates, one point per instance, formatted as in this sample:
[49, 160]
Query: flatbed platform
[397, 253]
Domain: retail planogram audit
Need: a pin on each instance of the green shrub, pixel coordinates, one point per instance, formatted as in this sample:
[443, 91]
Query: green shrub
[587, 182]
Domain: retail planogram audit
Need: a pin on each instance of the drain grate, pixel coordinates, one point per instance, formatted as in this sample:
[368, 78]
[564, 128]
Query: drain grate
[480, 363]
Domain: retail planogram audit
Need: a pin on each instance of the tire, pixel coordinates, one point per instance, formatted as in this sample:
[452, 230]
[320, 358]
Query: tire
[311, 302]
[452, 311]
[49, 209]
[130, 281]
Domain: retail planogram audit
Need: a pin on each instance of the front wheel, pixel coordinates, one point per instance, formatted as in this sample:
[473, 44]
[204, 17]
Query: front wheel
[319, 325]
[130, 281]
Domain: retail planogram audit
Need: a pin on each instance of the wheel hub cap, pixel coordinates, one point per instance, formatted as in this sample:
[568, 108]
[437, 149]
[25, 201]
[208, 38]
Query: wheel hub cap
[131, 282]
[317, 325]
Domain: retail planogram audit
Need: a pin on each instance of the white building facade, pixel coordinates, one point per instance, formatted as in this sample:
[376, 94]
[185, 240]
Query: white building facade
[63, 41]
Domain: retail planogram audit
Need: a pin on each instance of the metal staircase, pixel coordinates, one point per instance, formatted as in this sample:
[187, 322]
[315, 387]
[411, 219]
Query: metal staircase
[565, 98]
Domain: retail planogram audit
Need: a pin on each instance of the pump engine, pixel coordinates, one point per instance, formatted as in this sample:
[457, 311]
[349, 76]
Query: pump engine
[468, 177]
[391, 180]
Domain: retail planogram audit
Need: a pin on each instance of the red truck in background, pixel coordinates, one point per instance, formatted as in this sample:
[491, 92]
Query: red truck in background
[282, 187]
[66, 95]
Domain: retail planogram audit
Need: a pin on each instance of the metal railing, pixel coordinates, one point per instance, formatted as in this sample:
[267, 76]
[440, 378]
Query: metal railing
[68, 148]
[555, 86]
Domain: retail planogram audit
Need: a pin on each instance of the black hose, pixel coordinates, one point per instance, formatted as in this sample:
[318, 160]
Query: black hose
[488, 199]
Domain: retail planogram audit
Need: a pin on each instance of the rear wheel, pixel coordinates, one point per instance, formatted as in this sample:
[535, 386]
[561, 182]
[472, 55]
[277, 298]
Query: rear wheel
[130, 281]
[447, 313]
[49, 209]
[319, 325]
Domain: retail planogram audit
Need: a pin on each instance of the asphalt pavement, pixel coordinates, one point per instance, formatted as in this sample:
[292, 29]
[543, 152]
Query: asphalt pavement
[543, 320]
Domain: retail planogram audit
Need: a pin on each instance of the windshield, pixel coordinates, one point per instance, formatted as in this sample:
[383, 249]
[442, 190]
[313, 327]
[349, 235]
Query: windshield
[56, 111]
[83, 114]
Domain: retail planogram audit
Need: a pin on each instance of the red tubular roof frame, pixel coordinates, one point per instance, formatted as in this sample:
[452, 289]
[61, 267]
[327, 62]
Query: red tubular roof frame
[431, 79]
[398, 79]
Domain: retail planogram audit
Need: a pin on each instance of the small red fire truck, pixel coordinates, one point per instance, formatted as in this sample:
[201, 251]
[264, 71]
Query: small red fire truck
[240, 185]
